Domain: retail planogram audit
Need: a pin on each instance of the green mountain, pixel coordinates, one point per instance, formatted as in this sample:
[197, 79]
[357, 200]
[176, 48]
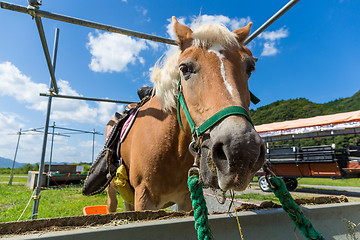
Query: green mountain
[7, 163]
[303, 108]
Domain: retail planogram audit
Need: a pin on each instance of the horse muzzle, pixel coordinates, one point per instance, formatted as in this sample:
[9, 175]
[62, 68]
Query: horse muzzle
[231, 154]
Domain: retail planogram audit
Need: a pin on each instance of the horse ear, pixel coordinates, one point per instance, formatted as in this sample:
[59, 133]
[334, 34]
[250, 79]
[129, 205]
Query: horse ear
[243, 33]
[183, 33]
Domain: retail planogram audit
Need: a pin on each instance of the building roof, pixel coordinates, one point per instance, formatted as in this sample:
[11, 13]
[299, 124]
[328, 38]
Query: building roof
[306, 125]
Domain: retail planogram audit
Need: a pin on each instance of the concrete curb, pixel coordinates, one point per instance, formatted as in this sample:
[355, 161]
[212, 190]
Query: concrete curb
[330, 220]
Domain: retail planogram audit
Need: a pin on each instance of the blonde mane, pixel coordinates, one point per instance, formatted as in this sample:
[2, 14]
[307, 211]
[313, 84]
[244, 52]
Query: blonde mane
[165, 75]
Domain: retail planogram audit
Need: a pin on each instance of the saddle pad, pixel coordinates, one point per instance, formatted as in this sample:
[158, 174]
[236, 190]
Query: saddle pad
[127, 125]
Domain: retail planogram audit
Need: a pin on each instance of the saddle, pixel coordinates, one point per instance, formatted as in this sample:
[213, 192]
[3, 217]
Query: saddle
[104, 168]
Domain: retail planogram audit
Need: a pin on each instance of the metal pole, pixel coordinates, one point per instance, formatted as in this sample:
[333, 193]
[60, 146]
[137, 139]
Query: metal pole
[93, 147]
[51, 152]
[81, 22]
[47, 55]
[109, 28]
[271, 20]
[46, 129]
[83, 98]
[13, 164]
[78, 130]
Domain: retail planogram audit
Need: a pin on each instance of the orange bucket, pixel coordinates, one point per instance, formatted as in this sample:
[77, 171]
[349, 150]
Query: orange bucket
[98, 209]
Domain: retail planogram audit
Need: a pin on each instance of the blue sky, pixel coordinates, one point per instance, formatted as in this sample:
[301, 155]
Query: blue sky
[312, 51]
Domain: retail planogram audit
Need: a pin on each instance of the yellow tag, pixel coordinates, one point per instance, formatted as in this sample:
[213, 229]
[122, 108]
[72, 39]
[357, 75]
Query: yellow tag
[122, 181]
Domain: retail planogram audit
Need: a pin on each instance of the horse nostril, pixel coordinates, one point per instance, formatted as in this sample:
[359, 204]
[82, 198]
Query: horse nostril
[218, 152]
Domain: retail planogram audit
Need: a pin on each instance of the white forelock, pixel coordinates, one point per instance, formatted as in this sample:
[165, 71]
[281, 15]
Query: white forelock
[165, 74]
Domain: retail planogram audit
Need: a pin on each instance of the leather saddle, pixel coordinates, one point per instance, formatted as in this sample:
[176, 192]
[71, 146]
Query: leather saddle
[103, 170]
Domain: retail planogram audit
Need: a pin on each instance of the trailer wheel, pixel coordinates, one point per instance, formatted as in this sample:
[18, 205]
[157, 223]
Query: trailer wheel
[291, 183]
[263, 184]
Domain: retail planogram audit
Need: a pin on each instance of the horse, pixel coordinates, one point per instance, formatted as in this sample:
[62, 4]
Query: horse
[210, 70]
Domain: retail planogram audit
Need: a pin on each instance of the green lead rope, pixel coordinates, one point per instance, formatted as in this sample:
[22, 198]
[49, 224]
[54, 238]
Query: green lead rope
[293, 210]
[200, 209]
[277, 186]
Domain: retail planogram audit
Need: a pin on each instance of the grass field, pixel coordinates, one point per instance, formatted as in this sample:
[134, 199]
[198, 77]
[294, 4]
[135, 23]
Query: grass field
[352, 182]
[60, 202]
[15, 179]
[258, 197]
[68, 201]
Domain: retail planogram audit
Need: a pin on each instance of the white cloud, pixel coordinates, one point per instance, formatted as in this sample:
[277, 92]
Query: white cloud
[81, 111]
[9, 122]
[107, 110]
[154, 45]
[272, 39]
[15, 84]
[143, 11]
[269, 49]
[112, 52]
[275, 35]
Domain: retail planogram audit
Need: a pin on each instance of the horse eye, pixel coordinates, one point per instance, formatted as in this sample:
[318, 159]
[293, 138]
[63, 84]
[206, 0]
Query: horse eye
[250, 69]
[185, 69]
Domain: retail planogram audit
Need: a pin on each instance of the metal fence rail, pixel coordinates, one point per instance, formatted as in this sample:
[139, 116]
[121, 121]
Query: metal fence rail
[86, 23]
[84, 98]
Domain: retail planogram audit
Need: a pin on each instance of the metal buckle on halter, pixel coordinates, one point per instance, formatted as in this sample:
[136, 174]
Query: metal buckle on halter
[268, 174]
[194, 171]
[194, 149]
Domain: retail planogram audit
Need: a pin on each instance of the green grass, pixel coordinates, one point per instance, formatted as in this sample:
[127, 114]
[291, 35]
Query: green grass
[258, 197]
[15, 179]
[352, 182]
[59, 202]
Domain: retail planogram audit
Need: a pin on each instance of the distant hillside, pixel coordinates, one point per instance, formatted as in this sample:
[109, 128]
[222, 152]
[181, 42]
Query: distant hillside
[303, 108]
[7, 163]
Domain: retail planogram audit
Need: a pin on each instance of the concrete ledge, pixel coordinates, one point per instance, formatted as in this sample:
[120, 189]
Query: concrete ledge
[330, 220]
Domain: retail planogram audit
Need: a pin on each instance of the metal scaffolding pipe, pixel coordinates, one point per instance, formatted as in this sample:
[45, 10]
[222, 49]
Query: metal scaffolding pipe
[84, 98]
[93, 147]
[86, 23]
[109, 28]
[51, 153]
[271, 20]
[46, 52]
[13, 164]
[46, 129]
[78, 130]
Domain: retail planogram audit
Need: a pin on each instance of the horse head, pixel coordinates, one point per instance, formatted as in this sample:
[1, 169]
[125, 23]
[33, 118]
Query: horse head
[212, 71]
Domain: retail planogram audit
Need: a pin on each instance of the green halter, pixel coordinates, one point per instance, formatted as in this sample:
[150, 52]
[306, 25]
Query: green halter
[232, 110]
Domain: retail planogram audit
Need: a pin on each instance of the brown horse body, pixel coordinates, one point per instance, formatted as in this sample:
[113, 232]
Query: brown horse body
[214, 67]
